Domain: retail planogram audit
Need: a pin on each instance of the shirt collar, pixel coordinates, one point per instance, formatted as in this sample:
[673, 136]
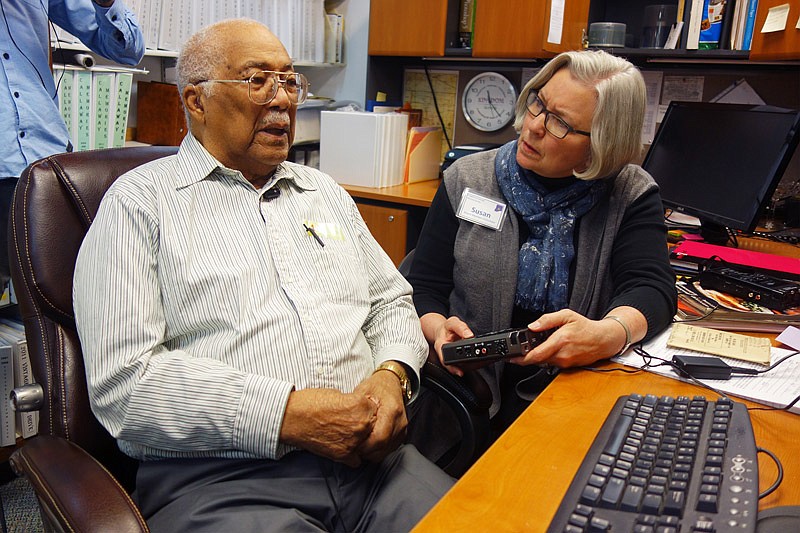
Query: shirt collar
[196, 164]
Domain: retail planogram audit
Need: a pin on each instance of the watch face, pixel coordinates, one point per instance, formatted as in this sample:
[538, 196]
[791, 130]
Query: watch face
[488, 102]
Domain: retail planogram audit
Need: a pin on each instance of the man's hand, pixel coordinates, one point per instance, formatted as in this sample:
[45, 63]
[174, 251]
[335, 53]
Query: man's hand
[383, 388]
[330, 423]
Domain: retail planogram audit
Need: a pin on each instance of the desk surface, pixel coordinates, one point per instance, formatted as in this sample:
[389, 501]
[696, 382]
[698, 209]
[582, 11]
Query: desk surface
[419, 194]
[519, 482]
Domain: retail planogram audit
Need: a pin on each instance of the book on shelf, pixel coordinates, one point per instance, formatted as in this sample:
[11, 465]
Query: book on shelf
[693, 18]
[7, 423]
[749, 25]
[466, 23]
[27, 423]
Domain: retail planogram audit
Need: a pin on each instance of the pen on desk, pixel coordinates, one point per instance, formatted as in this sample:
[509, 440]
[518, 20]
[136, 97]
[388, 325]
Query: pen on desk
[310, 231]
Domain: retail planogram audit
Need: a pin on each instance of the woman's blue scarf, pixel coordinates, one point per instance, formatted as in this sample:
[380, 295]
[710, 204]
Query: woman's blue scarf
[545, 258]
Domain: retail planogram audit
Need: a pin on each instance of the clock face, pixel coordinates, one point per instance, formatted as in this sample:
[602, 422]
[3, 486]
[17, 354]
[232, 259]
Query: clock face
[488, 102]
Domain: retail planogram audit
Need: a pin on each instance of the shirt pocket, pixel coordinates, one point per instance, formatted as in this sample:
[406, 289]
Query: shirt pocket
[340, 274]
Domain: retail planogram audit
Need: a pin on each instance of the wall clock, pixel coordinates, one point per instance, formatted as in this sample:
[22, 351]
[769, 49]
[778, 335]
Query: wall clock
[488, 101]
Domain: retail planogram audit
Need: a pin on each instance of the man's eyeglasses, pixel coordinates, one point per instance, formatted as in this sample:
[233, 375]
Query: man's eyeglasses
[554, 124]
[262, 86]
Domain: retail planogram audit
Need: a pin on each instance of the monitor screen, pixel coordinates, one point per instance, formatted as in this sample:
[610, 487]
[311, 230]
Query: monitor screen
[722, 162]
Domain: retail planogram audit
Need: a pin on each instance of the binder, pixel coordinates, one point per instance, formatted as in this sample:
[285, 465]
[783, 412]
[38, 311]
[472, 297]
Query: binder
[102, 85]
[82, 110]
[121, 107]
[361, 148]
[64, 82]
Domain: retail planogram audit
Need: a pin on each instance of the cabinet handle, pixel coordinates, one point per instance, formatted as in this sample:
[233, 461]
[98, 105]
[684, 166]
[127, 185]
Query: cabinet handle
[391, 218]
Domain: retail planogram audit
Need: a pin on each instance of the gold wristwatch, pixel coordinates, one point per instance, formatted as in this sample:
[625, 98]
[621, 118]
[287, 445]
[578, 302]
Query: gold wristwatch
[398, 370]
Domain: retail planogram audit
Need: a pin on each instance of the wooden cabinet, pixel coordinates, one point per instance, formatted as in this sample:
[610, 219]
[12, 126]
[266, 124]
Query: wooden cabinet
[779, 44]
[407, 28]
[513, 28]
[503, 29]
[389, 226]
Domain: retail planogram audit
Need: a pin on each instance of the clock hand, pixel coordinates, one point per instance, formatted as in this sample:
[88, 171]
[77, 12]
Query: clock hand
[489, 97]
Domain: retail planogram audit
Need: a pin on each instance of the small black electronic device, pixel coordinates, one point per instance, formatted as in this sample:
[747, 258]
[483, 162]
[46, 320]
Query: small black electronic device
[460, 151]
[491, 346]
[769, 291]
[701, 367]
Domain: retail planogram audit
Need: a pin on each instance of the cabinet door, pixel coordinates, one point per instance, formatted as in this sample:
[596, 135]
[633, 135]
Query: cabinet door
[777, 44]
[511, 28]
[574, 18]
[407, 28]
[389, 226]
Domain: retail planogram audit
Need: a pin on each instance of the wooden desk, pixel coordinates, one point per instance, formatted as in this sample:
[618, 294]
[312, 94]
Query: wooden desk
[395, 214]
[520, 481]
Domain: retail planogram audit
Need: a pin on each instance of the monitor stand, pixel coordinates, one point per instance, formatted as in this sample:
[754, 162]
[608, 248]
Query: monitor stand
[713, 233]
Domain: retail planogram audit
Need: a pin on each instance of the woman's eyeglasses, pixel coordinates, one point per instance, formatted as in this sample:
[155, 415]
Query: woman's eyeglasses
[554, 124]
[262, 86]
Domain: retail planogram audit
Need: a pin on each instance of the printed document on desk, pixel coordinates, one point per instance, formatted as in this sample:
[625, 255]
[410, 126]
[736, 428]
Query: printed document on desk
[776, 388]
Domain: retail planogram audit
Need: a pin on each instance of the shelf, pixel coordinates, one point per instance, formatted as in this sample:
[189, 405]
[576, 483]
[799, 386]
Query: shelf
[149, 52]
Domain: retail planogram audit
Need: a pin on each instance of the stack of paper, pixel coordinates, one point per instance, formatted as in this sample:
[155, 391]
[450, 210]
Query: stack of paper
[366, 149]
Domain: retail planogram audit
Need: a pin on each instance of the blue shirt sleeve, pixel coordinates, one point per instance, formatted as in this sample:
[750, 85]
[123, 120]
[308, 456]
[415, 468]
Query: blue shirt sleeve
[112, 32]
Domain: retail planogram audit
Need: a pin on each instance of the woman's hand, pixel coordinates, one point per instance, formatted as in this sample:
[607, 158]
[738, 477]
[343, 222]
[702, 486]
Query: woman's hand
[579, 341]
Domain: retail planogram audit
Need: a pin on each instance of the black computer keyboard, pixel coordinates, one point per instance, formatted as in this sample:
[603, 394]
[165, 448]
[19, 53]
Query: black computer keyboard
[666, 465]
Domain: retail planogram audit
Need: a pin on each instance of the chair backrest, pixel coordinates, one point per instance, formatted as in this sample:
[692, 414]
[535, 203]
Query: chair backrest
[54, 204]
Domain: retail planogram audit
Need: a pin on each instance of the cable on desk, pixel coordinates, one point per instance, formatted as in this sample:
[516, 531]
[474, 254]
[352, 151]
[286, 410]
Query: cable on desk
[779, 479]
[647, 357]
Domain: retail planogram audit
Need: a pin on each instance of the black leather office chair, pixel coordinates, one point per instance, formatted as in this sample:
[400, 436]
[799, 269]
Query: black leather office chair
[79, 475]
[467, 398]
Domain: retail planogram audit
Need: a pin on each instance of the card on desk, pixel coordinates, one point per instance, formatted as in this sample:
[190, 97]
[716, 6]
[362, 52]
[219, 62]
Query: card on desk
[733, 345]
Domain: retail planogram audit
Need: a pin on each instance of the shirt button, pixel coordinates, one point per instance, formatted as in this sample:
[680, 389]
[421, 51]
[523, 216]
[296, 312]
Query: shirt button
[320, 370]
[21, 134]
[16, 94]
[6, 56]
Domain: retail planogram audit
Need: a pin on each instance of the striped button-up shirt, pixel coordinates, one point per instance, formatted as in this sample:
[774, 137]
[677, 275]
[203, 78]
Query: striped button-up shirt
[201, 303]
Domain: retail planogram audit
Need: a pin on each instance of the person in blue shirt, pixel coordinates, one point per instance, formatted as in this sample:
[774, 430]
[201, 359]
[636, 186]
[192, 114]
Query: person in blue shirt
[31, 126]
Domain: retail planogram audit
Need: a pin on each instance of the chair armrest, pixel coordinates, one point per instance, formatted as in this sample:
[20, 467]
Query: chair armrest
[75, 492]
[469, 398]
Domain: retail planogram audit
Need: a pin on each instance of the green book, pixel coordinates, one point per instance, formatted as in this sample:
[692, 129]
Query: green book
[82, 106]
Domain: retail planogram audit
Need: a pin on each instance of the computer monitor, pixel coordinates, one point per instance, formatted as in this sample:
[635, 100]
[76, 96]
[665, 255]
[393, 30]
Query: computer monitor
[722, 162]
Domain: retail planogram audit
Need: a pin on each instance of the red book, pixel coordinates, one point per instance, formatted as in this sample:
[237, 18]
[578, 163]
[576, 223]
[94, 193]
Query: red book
[775, 265]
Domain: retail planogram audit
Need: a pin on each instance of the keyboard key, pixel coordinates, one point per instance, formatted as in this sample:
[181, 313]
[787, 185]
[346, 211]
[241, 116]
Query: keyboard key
[612, 493]
[707, 503]
[590, 495]
[674, 502]
[632, 498]
[618, 435]
[651, 504]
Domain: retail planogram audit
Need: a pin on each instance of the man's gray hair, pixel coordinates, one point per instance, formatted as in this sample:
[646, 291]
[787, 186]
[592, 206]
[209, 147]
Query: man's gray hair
[621, 99]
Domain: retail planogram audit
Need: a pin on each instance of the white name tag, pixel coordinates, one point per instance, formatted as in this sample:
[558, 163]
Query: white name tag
[481, 210]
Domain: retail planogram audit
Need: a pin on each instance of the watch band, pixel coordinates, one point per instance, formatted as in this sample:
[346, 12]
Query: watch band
[398, 370]
[628, 342]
